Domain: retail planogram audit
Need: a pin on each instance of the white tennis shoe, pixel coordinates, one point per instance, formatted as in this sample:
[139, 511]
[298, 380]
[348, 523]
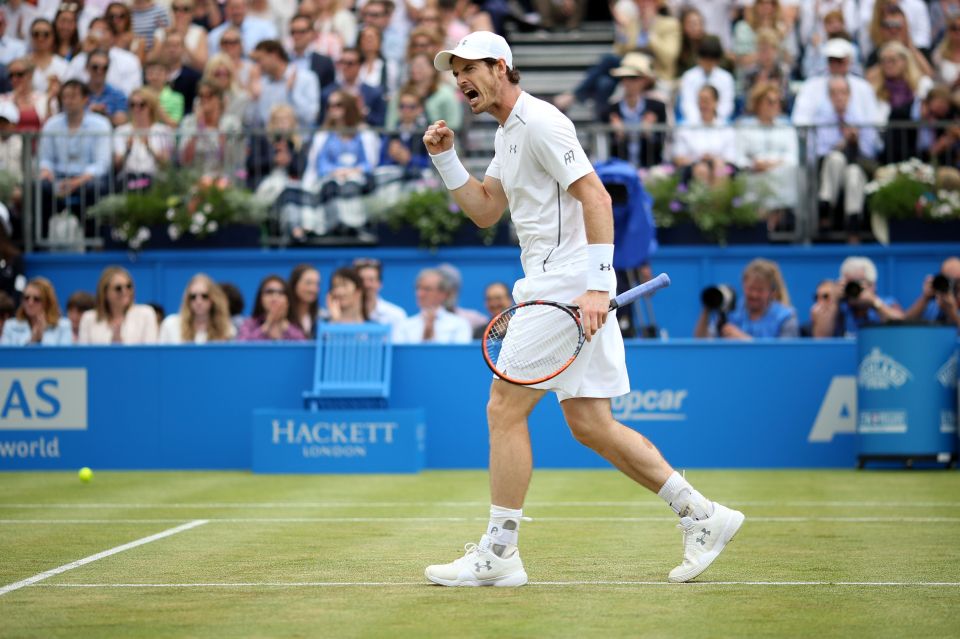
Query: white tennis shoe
[479, 567]
[703, 541]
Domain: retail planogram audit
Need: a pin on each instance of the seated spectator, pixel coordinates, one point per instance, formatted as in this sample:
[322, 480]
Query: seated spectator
[283, 83]
[182, 78]
[637, 110]
[66, 35]
[38, 319]
[854, 302]
[377, 309]
[204, 315]
[33, 107]
[74, 154]
[211, 140]
[767, 151]
[194, 36]
[826, 289]
[251, 29]
[125, 71]
[846, 150]
[77, 304]
[303, 54]
[645, 26]
[433, 324]
[813, 93]
[304, 284]
[7, 308]
[946, 57]
[439, 99]
[280, 151]
[371, 102]
[937, 142]
[11, 45]
[764, 14]
[143, 146]
[235, 303]
[49, 69]
[171, 103]
[496, 299]
[706, 73]
[814, 56]
[939, 297]
[221, 72]
[893, 27]
[454, 283]
[247, 73]
[769, 66]
[706, 150]
[120, 22]
[116, 318]
[883, 20]
[271, 319]
[763, 312]
[19, 15]
[403, 145]
[375, 69]
[900, 91]
[692, 34]
[423, 40]
[346, 301]
[106, 100]
[334, 25]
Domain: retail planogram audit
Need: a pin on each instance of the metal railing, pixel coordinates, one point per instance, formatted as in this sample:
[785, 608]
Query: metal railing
[56, 210]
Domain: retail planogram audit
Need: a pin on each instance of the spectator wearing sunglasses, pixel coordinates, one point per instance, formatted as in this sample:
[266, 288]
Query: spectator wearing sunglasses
[38, 320]
[49, 68]
[271, 319]
[252, 30]
[116, 318]
[125, 71]
[204, 315]
[144, 145]
[105, 99]
[195, 53]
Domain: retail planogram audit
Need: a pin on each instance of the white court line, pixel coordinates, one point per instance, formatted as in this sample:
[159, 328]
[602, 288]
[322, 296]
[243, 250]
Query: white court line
[100, 555]
[407, 584]
[529, 505]
[561, 520]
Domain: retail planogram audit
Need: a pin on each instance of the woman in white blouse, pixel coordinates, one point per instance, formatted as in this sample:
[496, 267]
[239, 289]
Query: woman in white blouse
[705, 150]
[116, 319]
[204, 315]
[767, 150]
[142, 146]
[38, 320]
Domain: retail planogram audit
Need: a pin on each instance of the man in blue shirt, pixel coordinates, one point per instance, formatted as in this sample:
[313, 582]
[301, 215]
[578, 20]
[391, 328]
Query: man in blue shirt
[105, 99]
[854, 303]
[284, 83]
[940, 297]
[74, 155]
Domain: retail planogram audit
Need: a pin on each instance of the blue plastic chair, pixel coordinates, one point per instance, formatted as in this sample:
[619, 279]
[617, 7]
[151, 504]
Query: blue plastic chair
[352, 369]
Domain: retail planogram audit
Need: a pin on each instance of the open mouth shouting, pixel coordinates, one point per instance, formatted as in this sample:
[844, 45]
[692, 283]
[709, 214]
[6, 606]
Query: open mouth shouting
[473, 96]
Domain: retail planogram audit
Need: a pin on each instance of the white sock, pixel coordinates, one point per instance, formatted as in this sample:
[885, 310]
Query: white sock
[503, 530]
[684, 498]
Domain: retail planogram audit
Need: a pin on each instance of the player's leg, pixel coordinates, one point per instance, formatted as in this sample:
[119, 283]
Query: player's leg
[495, 561]
[707, 526]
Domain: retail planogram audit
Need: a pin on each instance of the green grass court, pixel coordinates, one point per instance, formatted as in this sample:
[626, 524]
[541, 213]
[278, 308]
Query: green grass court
[822, 554]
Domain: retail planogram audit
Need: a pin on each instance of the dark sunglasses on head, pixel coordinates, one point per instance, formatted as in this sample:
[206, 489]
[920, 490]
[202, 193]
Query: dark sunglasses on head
[203, 296]
[120, 288]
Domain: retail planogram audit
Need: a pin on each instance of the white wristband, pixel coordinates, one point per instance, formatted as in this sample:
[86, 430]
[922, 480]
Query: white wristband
[600, 275]
[451, 170]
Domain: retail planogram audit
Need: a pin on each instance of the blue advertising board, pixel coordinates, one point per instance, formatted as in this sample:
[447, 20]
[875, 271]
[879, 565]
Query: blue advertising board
[338, 441]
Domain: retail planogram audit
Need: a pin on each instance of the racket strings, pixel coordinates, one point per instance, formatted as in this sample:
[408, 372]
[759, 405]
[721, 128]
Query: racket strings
[532, 342]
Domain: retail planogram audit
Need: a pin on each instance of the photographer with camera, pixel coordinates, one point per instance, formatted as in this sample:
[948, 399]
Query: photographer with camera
[765, 310]
[854, 302]
[940, 296]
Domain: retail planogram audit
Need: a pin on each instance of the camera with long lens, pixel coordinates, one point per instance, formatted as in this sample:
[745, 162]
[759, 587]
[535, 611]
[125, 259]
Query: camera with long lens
[943, 284]
[852, 291]
[720, 299]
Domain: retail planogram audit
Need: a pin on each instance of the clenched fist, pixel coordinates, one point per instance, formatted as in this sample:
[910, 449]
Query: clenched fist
[438, 138]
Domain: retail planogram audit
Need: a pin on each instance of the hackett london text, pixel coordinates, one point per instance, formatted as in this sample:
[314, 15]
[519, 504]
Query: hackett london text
[290, 432]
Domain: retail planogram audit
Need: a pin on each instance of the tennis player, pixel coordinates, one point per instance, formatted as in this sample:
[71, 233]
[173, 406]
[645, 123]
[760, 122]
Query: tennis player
[564, 220]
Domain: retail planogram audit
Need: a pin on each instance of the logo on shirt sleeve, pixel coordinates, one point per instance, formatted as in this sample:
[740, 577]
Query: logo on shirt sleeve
[568, 157]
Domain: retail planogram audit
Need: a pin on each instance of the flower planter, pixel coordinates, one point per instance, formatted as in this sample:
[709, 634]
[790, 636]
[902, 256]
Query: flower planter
[923, 230]
[233, 236]
[687, 233]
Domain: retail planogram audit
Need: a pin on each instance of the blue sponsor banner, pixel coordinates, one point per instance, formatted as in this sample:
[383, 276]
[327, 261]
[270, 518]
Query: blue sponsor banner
[338, 441]
[907, 391]
[707, 404]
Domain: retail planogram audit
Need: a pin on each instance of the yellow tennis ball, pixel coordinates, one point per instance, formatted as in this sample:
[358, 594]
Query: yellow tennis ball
[85, 474]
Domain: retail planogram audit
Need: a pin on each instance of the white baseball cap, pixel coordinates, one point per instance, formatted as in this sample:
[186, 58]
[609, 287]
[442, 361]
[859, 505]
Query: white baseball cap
[478, 45]
[838, 48]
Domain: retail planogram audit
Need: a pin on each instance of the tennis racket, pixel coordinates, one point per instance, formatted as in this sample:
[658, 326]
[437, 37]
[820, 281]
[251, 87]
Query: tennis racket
[534, 341]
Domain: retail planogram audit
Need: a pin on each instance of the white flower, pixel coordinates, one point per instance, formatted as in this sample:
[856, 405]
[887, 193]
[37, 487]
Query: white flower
[171, 213]
[135, 244]
[212, 226]
[173, 232]
[941, 210]
[871, 188]
[208, 208]
[143, 234]
[198, 218]
[195, 228]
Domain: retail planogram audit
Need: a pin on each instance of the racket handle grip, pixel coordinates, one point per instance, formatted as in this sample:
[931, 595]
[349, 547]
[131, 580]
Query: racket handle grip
[647, 288]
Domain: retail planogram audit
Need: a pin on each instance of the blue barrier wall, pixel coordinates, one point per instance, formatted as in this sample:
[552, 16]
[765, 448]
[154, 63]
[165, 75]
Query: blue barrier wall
[774, 404]
[162, 275]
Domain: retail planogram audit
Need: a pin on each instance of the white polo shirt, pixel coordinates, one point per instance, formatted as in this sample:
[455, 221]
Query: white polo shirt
[537, 157]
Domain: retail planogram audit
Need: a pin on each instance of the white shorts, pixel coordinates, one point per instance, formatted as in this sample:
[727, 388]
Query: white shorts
[600, 369]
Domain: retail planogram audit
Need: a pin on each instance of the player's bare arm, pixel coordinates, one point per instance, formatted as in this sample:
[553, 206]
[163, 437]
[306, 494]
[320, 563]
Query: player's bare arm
[483, 202]
[598, 221]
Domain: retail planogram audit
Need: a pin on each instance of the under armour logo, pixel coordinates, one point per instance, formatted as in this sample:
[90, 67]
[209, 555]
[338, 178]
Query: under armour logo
[513, 148]
[487, 566]
[606, 267]
[568, 157]
[493, 531]
[702, 539]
